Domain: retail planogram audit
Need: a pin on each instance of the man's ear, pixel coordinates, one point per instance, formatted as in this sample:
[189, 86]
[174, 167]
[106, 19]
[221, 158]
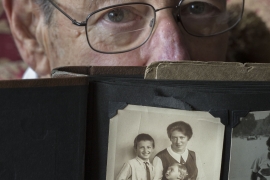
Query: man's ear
[27, 25]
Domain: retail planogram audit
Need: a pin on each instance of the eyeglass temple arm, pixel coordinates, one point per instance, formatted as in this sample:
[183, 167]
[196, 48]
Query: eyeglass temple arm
[83, 23]
[180, 2]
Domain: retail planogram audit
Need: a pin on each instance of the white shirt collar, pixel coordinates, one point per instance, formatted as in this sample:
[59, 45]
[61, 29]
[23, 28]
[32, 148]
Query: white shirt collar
[177, 156]
[30, 74]
[142, 161]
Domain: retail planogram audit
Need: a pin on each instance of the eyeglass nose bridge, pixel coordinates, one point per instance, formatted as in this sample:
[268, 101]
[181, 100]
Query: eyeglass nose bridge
[175, 14]
[152, 23]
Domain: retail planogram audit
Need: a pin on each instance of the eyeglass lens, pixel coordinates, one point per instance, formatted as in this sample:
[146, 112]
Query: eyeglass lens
[125, 27]
[210, 17]
[120, 28]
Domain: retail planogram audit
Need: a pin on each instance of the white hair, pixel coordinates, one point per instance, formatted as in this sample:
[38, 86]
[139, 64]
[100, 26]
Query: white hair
[47, 9]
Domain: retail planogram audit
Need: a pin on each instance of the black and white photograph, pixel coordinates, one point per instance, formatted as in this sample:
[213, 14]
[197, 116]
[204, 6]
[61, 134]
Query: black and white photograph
[149, 143]
[250, 148]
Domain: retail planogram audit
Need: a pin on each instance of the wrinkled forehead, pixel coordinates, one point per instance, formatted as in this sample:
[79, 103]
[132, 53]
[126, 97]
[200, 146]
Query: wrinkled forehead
[97, 4]
[104, 3]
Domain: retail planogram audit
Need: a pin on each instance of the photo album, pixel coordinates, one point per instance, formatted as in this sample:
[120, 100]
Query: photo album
[184, 121]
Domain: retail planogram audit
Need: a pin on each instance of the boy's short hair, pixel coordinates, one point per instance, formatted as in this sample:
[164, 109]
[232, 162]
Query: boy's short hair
[268, 142]
[180, 126]
[143, 137]
[182, 169]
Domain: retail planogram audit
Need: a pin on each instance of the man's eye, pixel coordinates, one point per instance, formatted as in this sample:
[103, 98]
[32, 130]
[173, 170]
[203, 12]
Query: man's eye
[120, 15]
[116, 15]
[199, 8]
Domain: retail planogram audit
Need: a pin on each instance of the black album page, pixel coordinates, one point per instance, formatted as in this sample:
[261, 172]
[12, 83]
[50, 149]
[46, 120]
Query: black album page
[42, 129]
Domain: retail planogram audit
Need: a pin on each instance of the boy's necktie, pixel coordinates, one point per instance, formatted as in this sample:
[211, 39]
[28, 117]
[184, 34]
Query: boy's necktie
[147, 171]
[182, 161]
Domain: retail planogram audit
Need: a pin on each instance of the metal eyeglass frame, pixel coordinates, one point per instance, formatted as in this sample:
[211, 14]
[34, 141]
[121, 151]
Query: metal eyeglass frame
[175, 14]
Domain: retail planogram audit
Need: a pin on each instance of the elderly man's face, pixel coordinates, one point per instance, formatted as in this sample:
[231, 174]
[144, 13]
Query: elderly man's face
[61, 43]
[66, 44]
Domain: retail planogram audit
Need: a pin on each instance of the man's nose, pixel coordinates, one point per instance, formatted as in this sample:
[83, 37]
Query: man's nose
[167, 42]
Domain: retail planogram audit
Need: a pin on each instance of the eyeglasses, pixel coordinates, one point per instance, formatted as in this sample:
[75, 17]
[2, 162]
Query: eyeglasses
[125, 27]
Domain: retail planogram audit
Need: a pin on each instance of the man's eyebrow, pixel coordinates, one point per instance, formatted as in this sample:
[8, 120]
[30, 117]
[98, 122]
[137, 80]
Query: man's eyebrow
[97, 3]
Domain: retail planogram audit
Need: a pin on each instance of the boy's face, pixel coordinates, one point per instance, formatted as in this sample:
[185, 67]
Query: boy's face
[144, 149]
[172, 173]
